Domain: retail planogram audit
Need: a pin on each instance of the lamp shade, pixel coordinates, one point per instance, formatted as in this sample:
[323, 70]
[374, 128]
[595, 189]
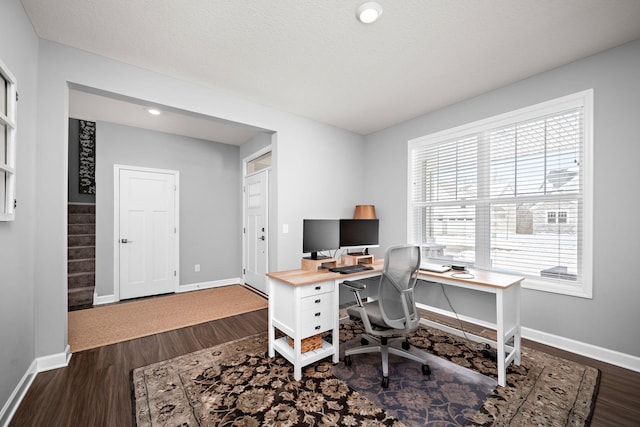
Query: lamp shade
[365, 212]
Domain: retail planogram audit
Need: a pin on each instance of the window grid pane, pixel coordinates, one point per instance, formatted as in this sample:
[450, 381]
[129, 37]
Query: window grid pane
[524, 240]
[519, 210]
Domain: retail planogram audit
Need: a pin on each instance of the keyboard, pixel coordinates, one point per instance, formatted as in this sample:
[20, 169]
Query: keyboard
[349, 269]
[432, 266]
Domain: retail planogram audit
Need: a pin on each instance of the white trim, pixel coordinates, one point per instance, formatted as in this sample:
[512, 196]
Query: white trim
[116, 222]
[591, 351]
[54, 361]
[9, 123]
[207, 285]
[104, 299]
[11, 406]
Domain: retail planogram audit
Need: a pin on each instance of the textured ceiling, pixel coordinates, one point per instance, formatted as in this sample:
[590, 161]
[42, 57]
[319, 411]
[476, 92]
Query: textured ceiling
[314, 59]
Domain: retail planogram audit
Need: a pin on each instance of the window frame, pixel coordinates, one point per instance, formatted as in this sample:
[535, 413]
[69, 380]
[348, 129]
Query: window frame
[9, 123]
[584, 99]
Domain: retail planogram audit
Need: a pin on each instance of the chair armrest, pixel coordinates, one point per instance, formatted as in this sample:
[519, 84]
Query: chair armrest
[354, 285]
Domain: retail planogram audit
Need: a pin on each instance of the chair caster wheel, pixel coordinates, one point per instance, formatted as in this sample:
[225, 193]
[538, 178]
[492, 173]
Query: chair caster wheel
[385, 382]
[426, 370]
[347, 360]
[364, 341]
[406, 345]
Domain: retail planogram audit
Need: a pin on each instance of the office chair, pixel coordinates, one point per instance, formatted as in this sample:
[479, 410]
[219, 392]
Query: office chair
[393, 316]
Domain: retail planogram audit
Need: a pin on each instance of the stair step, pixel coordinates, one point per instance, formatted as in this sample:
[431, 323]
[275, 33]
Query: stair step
[81, 218]
[81, 280]
[80, 298]
[87, 209]
[81, 265]
[75, 229]
[81, 252]
[81, 240]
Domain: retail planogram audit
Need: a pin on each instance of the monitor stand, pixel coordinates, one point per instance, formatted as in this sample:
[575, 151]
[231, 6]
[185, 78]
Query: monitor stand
[318, 264]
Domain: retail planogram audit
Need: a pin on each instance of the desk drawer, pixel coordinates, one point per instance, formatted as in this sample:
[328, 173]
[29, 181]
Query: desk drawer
[316, 288]
[317, 302]
[311, 325]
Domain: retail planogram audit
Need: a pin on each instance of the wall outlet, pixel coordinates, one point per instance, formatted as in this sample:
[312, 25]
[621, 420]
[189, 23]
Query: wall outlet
[197, 267]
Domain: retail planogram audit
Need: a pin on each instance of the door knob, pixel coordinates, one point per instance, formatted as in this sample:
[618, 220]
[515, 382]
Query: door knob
[261, 238]
[125, 241]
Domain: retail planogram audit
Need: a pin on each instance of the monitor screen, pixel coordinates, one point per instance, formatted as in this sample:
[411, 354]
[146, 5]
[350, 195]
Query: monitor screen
[320, 235]
[359, 233]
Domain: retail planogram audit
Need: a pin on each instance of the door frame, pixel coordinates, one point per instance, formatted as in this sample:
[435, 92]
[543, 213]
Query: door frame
[267, 170]
[116, 222]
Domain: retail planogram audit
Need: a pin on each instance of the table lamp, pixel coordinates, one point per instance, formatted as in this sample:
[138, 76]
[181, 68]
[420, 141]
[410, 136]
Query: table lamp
[365, 212]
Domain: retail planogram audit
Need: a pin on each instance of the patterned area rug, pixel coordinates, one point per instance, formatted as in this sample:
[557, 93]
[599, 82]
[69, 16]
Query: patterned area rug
[235, 384]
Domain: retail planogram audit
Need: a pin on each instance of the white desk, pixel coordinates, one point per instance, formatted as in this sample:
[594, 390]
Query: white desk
[303, 303]
[506, 289]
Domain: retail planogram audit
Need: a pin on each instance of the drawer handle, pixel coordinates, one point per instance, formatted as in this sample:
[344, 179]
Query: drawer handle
[317, 327]
[317, 301]
[318, 288]
[318, 314]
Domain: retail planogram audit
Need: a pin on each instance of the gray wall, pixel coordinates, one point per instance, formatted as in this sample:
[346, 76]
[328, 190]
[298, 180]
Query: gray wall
[210, 202]
[74, 165]
[611, 318]
[317, 165]
[19, 52]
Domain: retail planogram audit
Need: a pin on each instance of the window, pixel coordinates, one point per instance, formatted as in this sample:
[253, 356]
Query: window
[258, 164]
[8, 100]
[510, 193]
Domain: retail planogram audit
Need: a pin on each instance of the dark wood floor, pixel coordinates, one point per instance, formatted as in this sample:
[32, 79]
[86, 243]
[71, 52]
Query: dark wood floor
[95, 389]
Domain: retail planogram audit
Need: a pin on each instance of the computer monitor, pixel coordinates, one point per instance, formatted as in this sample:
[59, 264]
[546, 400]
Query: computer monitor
[320, 235]
[359, 233]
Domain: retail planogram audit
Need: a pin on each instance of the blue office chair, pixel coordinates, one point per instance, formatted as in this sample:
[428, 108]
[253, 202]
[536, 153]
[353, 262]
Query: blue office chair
[390, 318]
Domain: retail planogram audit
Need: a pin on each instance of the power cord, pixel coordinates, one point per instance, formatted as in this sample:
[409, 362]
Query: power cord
[470, 342]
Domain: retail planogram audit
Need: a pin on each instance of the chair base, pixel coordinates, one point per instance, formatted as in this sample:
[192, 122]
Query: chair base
[384, 347]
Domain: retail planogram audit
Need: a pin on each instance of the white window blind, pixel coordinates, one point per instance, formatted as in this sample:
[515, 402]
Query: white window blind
[509, 194]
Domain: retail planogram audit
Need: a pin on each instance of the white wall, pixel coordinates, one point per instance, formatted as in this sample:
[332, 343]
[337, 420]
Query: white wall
[611, 318]
[317, 165]
[210, 203]
[18, 51]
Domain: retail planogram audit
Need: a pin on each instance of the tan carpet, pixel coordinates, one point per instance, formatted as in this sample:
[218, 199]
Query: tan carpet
[106, 325]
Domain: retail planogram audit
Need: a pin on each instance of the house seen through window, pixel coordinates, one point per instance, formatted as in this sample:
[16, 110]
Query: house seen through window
[510, 194]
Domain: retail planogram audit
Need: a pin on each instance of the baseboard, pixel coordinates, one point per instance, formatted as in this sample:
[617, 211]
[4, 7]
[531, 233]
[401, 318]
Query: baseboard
[207, 285]
[108, 299]
[104, 299]
[10, 407]
[54, 361]
[591, 351]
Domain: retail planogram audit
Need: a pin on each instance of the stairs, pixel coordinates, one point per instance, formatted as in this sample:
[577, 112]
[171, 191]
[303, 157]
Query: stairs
[81, 253]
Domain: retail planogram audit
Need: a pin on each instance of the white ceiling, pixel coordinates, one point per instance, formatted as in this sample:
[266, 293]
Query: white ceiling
[314, 59]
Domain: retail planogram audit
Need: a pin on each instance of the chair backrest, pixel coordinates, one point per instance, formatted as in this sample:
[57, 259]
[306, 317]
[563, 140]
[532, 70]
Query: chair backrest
[395, 295]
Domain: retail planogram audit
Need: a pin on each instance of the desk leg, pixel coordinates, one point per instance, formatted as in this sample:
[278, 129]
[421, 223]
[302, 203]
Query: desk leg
[297, 358]
[335, 334]
[500, 339]
[507, 327]
[271, 330]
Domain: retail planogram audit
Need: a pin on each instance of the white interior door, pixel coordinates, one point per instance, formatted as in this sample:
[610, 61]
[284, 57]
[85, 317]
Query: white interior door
[147, 232]
[255, 231]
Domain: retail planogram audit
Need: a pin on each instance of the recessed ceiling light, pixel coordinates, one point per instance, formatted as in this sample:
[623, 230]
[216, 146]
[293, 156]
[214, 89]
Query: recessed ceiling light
[154, 111]
[369, 12]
